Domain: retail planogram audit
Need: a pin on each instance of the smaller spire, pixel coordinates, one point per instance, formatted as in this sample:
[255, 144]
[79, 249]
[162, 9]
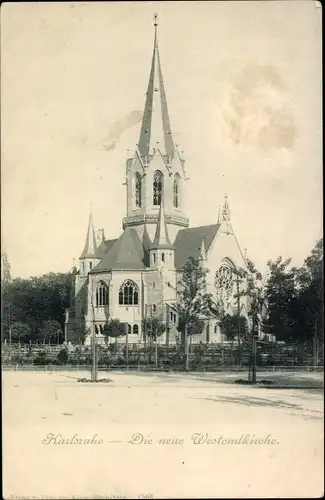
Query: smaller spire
[161, 239]
[203, 255]
[90, 245]
[226, 210]
[103, 234]
[74, 267]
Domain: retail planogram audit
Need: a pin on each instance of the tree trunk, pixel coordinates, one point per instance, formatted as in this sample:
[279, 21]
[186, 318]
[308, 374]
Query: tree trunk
[156, 352]
[186, 349]
[254, 361]
[94, 361]
[127, 349]
[252, 365]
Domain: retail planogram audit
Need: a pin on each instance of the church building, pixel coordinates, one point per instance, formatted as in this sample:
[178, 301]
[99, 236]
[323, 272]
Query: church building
[136, 275]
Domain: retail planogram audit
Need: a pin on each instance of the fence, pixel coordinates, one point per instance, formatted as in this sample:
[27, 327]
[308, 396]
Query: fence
[202, 356]
[153, 368]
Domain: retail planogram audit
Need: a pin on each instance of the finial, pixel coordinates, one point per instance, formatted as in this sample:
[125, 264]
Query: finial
[226, 210]
[155, 17]
[219, 213]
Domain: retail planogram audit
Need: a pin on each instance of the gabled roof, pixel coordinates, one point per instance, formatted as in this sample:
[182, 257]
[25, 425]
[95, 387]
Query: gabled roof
[127, 252]
[104, 248]
[188, 242]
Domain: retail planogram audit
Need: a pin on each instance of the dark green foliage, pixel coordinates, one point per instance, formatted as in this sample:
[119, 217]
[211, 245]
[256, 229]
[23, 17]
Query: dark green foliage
[230, 324]
[154, 327]
[192, 300]
[63, 356]
[114, 328]
[295, 298]
[20, 332]
[35, 300]
[51, 330]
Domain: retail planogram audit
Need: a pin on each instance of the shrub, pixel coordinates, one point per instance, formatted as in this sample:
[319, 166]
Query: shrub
[63, 357]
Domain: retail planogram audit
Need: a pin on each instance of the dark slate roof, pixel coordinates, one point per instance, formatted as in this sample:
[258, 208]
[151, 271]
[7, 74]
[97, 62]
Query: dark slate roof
[188, 242]
[127, 252]
[104, 248]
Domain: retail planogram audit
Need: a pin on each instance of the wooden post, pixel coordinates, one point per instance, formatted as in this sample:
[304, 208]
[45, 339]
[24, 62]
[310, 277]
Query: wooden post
[238, 314]
[94, 360]
[254, 360]
[156, 350]
[167, 324]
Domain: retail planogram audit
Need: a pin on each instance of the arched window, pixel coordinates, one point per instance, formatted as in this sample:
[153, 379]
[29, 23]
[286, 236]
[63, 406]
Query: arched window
[176, 189]
[101, 294]
[224, 283]
[135, 330]
[158, 186]
[96, 330]
[128, 294]
[138, 193]
[129, 329]
[101, 329]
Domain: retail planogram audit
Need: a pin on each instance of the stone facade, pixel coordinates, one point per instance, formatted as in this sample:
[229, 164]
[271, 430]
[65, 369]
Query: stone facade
[137, 274]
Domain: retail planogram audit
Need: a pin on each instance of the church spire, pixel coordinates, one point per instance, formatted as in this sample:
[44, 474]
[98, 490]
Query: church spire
[226, 210]
[225, 217]
[161, 239]
[155, 130]
[90, 245]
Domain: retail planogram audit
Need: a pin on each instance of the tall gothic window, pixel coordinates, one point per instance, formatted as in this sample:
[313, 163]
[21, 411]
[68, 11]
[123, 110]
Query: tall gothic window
[176, 188]
[224, 283]
[138, 193]
[101, 294]
[135, 330]
[128, 294]
[158, 186]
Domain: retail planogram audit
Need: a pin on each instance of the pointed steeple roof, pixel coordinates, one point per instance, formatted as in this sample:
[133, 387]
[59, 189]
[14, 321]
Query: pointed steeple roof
[90, 245]
[155, 129]
[126, 253]
[161, 239]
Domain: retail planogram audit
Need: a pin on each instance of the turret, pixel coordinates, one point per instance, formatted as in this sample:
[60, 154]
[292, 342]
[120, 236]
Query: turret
[161, 250]
[88, 259]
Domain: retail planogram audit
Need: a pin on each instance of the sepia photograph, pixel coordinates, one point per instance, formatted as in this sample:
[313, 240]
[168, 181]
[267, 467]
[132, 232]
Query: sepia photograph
[162, 287]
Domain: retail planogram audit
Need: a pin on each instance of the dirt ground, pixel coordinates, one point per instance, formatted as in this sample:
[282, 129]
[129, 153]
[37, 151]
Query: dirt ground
[161, 436]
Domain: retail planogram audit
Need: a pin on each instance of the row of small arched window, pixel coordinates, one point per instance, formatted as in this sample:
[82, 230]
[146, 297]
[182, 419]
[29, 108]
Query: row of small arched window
[128, 294]
[134, 329]
[157, 189]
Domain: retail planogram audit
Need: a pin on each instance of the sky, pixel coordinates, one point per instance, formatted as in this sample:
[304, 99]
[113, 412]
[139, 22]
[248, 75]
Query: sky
[243, 85]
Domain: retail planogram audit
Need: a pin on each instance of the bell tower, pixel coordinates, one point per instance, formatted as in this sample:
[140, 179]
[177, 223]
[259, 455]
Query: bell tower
[157, 169]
